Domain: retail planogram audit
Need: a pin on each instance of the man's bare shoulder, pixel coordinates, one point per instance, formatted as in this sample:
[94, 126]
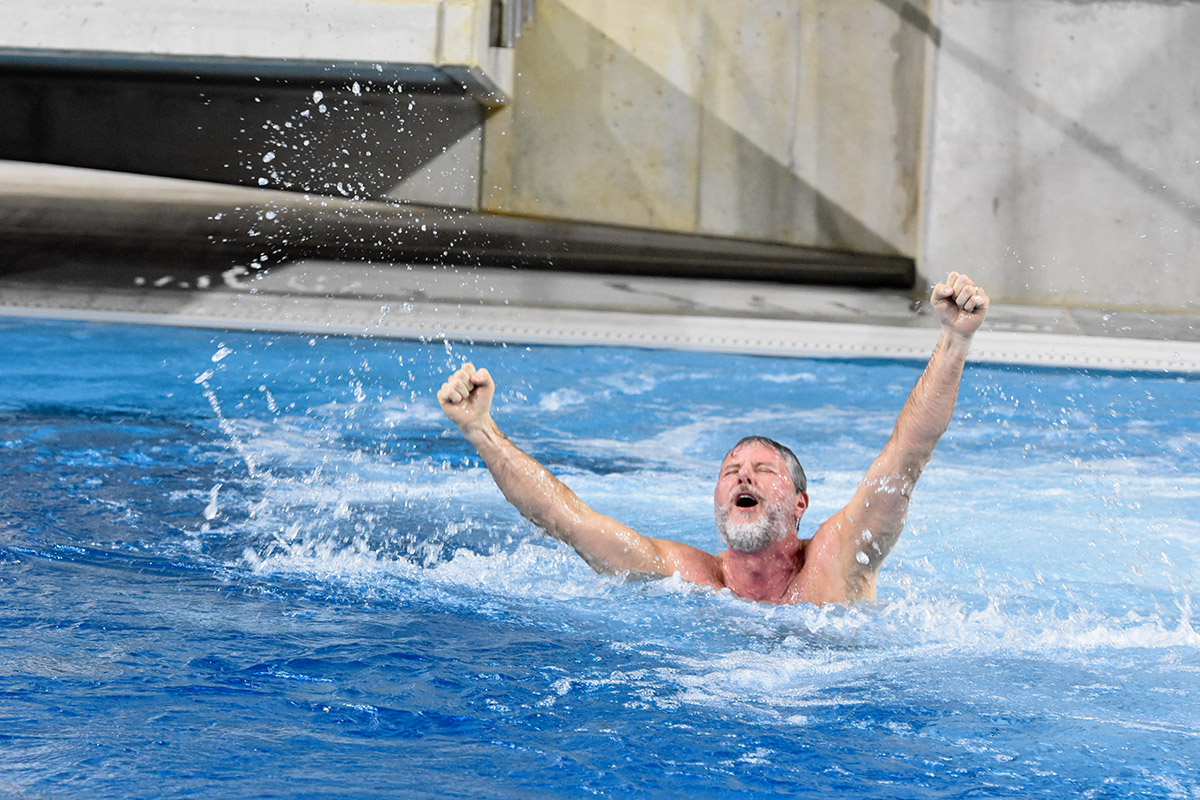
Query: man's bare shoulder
[830, 573]
[691, 563]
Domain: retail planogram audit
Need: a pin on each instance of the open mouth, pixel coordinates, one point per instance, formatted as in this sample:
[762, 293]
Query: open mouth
[745, 500]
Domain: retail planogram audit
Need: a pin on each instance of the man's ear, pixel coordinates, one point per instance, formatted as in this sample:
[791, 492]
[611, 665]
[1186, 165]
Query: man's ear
[801, 504]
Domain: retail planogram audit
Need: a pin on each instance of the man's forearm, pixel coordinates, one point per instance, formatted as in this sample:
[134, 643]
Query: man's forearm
[531, 488]
[927, 412]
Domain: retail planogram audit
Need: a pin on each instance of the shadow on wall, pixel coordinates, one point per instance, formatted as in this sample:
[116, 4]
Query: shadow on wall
[349, 141]
[1084, 131]
[595, 133]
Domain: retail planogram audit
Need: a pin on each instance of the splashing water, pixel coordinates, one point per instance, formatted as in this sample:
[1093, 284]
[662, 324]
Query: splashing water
[281, 564]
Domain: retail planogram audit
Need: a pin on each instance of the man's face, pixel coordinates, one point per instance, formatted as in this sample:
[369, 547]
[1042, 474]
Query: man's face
[755, 501]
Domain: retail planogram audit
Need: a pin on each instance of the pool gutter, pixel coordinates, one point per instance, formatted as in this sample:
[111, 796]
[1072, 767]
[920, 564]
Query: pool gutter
[488, 305]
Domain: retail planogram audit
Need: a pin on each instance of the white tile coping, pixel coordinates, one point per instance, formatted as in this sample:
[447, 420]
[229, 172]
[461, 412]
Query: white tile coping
[475, 323]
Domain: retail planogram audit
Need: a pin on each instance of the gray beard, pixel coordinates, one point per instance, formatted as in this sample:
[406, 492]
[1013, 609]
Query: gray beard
[750, 537]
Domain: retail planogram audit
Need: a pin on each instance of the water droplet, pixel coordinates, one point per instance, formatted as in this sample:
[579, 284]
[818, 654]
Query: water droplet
[211, 510]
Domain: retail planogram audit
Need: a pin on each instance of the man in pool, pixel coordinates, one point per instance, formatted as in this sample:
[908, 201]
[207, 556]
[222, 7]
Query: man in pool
[761, 489]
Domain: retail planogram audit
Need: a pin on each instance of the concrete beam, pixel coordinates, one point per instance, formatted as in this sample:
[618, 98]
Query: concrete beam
[43, 206]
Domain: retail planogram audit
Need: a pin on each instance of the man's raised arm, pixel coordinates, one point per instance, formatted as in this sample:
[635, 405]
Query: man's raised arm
[861, 534]
[606, 545]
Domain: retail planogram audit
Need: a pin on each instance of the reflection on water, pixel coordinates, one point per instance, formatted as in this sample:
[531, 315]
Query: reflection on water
[275, 547]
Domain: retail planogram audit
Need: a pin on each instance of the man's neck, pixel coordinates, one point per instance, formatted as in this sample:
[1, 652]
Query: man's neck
[765, 575]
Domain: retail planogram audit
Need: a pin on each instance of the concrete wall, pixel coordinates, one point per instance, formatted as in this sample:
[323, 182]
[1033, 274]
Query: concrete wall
[787, 120]
[1051, 147]
[1064, 155]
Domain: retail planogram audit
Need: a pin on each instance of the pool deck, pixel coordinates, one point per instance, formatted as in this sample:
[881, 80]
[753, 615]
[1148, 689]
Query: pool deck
[494, 304]
[482, 304]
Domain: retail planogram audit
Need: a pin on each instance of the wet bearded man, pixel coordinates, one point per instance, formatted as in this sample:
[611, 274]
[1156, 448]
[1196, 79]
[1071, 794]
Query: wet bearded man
[761, 491]
[750, 536]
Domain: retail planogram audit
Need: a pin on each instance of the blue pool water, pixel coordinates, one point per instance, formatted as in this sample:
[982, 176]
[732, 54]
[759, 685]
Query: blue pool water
[240, 565]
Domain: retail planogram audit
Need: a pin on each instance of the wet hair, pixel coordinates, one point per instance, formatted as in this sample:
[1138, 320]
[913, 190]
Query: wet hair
[789, 459]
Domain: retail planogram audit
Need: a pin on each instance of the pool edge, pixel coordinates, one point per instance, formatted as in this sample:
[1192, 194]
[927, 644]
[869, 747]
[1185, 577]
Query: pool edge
[324, 315]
